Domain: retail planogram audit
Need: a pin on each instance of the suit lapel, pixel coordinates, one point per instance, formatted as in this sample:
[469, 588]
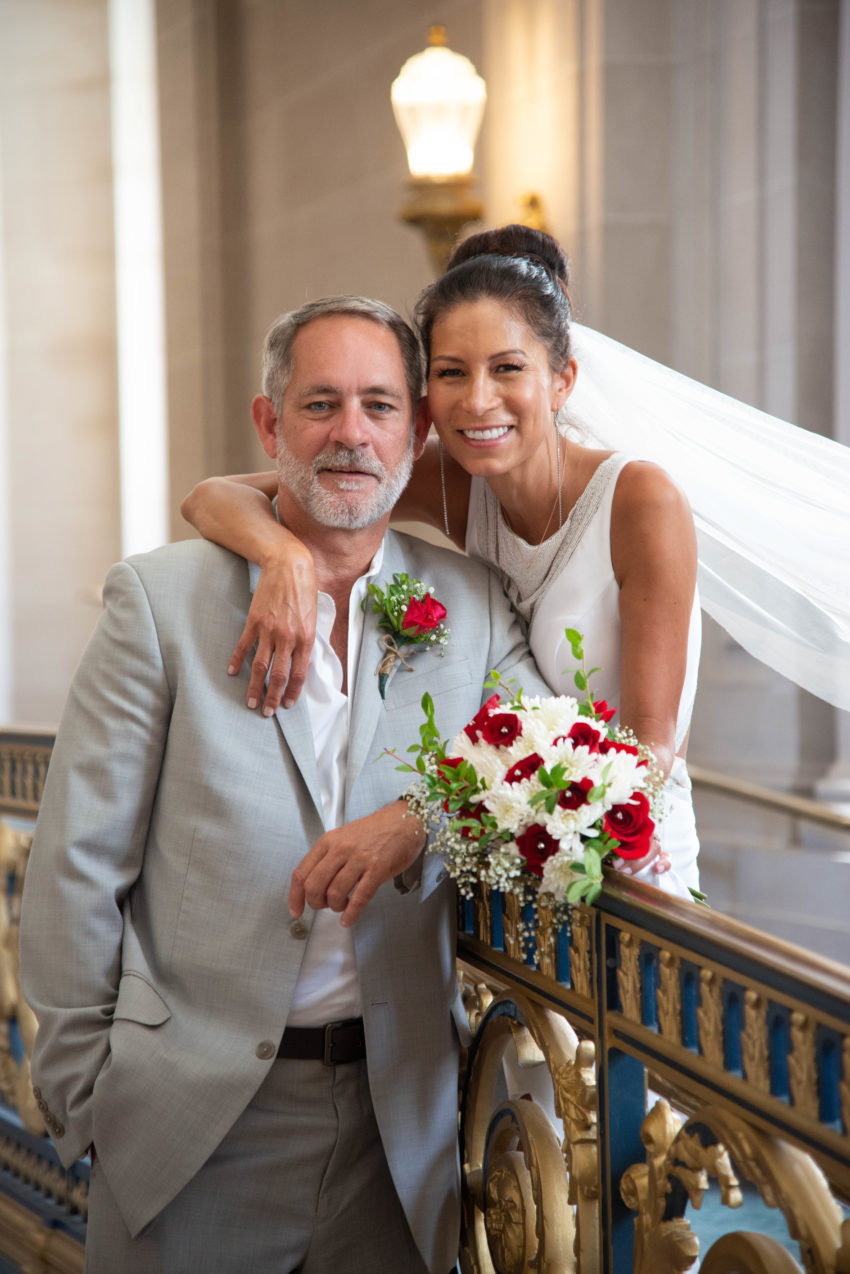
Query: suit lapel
[367, 707]
[294, 725]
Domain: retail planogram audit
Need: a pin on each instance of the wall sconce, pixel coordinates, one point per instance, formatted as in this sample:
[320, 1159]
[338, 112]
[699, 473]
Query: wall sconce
[438, 100]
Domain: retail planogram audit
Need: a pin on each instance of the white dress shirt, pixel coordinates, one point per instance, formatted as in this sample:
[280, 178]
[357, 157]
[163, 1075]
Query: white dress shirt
[328, 988]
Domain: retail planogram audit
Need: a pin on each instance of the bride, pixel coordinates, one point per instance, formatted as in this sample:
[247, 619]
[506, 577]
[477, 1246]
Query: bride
[586, 536]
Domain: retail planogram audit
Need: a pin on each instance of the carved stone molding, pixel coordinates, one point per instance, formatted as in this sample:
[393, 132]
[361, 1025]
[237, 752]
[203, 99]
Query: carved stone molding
[628, 976]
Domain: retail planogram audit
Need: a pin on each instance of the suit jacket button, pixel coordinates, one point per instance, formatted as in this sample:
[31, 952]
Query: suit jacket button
[298, 928]
[265, 1050]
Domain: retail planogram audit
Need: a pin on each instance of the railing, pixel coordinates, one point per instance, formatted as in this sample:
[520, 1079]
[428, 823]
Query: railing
[755, 794]
[743, 1040]
[745, 1043]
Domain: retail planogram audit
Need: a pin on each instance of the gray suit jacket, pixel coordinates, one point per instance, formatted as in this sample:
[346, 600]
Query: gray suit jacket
[156, 948]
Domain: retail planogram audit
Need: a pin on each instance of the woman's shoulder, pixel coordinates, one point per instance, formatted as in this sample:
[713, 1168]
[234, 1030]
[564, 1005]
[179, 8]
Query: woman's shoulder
[645, 487]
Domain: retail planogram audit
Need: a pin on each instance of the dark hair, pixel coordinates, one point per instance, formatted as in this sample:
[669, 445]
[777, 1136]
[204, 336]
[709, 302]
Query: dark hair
[525, 269]
[277, 349]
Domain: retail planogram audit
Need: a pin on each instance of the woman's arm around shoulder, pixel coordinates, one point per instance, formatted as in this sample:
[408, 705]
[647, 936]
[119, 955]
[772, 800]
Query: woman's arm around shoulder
[654, 555]
[237, 513]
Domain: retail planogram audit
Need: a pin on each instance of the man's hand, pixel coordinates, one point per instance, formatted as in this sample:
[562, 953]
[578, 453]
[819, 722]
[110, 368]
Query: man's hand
[347, 866]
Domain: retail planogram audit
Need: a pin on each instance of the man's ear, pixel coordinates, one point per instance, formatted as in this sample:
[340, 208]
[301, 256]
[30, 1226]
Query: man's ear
[421, 426]
[264, 417]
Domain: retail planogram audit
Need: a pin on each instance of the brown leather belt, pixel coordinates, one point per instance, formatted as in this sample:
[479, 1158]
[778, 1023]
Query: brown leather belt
[334, 1044]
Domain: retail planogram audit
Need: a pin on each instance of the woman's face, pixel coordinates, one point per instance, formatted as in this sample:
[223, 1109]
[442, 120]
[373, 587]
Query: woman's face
[491, 391]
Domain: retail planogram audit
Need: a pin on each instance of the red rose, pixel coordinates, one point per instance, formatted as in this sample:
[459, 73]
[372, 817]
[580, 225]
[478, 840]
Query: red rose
[501, 728]
[422, 616]
[583, 735]
[536, 845]
[473, 730]
[614, 745]
[575, 795]
[631, 826]
[602, 711]
[448, 763]
[525, 768]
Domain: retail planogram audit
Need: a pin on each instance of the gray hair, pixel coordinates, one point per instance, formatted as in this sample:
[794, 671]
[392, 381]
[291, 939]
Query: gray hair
[277, 348]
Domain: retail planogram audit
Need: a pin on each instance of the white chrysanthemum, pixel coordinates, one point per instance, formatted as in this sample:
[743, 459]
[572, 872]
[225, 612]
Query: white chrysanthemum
[558, 875]
[565, 825]
[623, 776]
[490, 763]
[509, 804]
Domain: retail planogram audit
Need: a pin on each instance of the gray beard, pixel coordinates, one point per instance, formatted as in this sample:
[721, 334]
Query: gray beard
[335, 508]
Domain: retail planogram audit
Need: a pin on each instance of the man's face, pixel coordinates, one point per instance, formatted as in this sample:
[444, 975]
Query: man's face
[344, 440]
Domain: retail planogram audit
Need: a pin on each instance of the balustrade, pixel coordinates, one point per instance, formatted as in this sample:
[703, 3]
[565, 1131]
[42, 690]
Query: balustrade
[620, 1067]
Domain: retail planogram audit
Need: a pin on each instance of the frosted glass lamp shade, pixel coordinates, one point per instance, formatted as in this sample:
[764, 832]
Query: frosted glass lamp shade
[438, 100]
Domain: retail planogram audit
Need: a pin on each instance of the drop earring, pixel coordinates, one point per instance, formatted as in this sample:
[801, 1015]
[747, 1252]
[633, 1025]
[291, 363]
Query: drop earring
[443, 489]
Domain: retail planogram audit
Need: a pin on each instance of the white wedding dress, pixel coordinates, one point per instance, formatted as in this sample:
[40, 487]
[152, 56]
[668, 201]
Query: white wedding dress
[568, 581]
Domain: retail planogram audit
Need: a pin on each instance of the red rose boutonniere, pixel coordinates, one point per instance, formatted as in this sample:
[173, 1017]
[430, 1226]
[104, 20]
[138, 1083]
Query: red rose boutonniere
[412, 616]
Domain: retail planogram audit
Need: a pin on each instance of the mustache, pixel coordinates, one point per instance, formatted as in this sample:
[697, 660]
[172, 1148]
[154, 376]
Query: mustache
[348, 458]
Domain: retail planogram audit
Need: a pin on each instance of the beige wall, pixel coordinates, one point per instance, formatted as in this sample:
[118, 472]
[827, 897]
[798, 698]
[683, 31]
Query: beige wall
[59, 303]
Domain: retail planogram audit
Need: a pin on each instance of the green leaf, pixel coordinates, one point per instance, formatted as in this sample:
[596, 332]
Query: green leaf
[574, 637]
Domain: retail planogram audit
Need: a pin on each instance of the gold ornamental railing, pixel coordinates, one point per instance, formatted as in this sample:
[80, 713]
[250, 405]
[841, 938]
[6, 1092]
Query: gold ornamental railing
[656, 1055]
[659, 1050]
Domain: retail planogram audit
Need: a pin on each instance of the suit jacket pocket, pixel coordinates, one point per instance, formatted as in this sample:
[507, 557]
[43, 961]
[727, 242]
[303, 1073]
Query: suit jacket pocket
[138, 1001]
[431, 672]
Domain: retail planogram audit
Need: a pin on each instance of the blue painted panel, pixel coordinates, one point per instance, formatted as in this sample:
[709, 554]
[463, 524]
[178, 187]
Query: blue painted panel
[497, 925]
[732, 997]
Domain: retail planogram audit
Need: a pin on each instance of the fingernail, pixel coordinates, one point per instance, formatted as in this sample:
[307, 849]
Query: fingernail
[231, 669]
[252, 703]
[267, 711]
[288, 703]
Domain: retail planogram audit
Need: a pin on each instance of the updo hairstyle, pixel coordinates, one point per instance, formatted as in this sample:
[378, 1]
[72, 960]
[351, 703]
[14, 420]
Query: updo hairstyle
[526, 270]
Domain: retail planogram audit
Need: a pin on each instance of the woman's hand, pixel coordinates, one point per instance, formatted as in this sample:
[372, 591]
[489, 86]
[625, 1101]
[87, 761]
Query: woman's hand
[281, 624]
[655, 855]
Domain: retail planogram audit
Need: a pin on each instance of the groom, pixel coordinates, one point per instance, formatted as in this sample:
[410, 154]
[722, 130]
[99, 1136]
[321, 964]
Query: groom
[260, 1086]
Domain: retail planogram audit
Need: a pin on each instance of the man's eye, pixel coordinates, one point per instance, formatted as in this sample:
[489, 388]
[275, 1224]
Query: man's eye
[382, 409]
[320, 405]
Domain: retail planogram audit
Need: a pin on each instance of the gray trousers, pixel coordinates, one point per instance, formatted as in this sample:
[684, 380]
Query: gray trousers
[299, 1184]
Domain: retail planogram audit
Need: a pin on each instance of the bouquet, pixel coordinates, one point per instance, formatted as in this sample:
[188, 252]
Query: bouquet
[535, 794]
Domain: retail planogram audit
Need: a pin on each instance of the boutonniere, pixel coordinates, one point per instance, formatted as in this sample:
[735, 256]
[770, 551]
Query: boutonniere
[412, 616]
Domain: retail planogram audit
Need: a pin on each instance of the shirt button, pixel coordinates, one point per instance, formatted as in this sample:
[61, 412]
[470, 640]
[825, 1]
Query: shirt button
[265, 1050]
[36, 1092]
[58, 1130]
[298, 928]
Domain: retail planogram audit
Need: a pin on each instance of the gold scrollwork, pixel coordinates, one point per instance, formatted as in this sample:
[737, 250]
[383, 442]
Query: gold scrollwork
[754, 1042]
[529, 1201]
[481, 912]
[785, 1176]
[710, 1017]
[743, 1252]
[512, 927]
[545, 941]
[670, 997]
[802, 1067]
[628, 976]
[580, 971]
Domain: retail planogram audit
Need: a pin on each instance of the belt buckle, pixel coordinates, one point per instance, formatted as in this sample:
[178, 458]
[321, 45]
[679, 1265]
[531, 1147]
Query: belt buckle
[327, 1057]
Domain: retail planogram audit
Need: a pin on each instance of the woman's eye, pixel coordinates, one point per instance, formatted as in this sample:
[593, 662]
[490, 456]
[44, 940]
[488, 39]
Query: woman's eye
[510, 367]
[443, 373]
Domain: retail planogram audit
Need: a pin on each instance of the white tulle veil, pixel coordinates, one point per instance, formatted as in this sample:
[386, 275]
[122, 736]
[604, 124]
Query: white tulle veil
[771, 504]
